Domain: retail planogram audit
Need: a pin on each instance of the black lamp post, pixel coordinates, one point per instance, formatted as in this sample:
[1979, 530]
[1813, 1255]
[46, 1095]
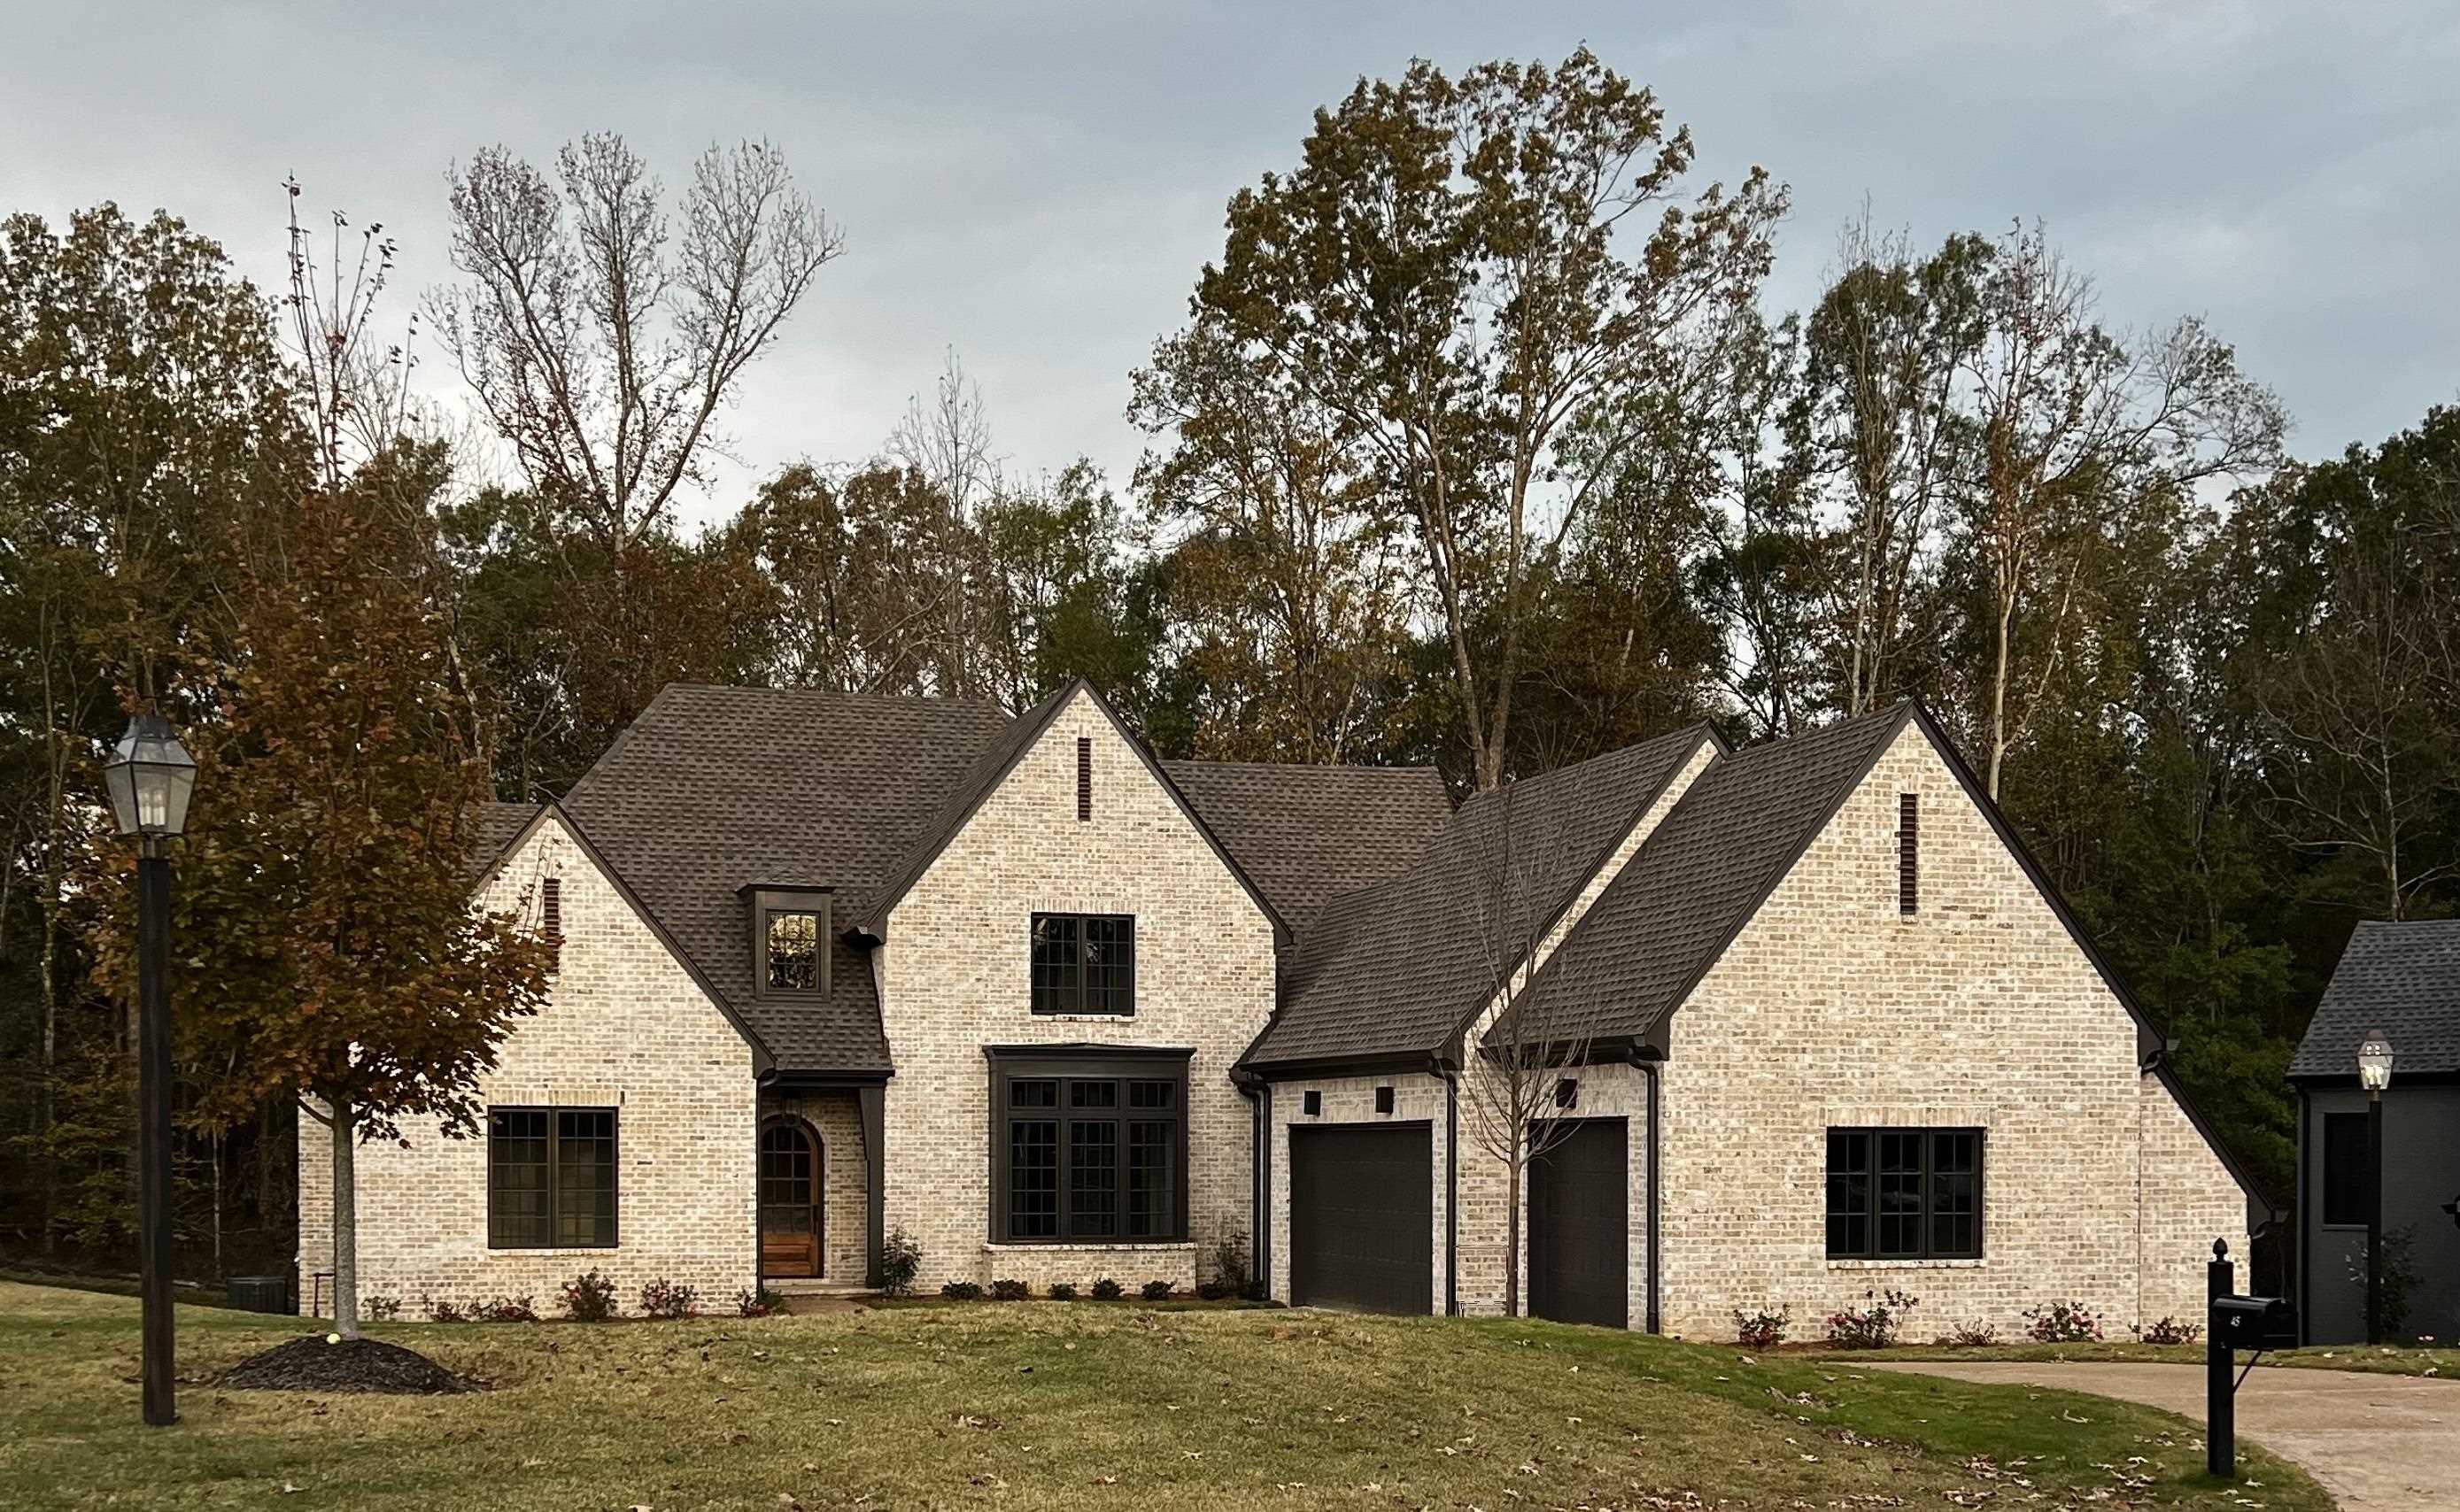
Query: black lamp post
[150, 777]
[2374, 1074]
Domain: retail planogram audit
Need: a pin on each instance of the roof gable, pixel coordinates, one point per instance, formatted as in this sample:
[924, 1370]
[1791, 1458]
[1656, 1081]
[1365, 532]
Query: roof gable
[1397, 967]
[2401, 978]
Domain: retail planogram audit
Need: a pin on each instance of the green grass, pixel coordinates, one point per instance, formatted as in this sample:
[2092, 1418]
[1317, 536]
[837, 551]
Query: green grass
[2369, 1359]
[1055, 1405]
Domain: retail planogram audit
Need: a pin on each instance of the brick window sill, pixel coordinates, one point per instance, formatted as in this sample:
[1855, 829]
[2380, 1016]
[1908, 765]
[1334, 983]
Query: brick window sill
[510, 1250]
[1185, 1245]
[1909, 1265]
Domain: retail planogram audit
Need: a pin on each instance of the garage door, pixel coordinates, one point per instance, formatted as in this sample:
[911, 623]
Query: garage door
[1362, 1217]
[1579, 1249]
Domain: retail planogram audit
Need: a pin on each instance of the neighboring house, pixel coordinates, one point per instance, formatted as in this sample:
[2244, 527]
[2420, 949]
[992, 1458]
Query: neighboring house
[2403, 979]
[834, 966]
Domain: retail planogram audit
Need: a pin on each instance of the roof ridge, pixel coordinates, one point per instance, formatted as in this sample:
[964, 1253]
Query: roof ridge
[1273, 766]
[1697, 730]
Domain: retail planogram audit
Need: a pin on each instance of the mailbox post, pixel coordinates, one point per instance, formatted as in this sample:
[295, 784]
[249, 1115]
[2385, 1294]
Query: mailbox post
[2235, 1323]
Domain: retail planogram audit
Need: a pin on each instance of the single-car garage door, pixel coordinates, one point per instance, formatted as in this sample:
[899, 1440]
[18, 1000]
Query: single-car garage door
[1362, 1217]
[1579, 1225]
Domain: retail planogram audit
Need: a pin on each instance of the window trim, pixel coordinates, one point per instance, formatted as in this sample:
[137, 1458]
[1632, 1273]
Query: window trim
[764, 901]
[1079, 1010]
[1929, 1134]
[554, 1139]
[1078, 1063]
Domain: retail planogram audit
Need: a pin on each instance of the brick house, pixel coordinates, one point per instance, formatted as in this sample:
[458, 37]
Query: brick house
[836, 966]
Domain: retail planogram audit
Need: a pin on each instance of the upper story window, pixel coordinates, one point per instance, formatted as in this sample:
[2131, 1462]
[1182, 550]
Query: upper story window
[790, 941]
[1084, 963]
[1905, 1194]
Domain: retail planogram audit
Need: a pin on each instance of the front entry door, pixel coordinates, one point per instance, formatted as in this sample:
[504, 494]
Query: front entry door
[790, 1201]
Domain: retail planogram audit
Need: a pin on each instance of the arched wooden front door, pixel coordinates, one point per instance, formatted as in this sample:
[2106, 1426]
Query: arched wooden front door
[791, 1221]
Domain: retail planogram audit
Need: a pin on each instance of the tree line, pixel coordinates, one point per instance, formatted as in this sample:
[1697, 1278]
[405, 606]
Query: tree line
[1481, 445]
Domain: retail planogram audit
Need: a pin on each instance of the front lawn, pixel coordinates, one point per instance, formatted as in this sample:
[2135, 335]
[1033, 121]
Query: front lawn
[1062, 1405]
[2384, 1360]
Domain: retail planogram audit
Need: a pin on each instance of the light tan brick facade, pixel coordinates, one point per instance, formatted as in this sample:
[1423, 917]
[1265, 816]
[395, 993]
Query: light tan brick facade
[626, 1028]
[955, 978]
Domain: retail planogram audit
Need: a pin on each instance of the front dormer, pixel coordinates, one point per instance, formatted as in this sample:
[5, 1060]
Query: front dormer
[790, 930]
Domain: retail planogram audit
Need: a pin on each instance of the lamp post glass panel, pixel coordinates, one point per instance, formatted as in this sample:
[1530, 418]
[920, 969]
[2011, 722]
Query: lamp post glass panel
[2374, 1074]
[150, 777]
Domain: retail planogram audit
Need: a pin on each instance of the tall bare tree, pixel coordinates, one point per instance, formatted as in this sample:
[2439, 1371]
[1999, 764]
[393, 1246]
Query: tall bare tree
[600, 343]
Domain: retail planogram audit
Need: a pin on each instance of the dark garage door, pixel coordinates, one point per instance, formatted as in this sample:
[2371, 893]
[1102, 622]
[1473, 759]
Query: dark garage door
[1579, 1252]
[1362, 1217]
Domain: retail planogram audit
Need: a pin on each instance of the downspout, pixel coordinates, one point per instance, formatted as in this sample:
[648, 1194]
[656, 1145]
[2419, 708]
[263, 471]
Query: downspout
[1258, 1093]
[1649, 1068]
[1451, 1185]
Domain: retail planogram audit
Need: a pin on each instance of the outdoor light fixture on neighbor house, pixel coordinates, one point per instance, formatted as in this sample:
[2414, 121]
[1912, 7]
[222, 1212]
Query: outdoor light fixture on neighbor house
[150, 776]
[2374, 1074]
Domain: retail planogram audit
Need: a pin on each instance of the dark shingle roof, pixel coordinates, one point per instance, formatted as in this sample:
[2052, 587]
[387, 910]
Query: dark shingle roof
[498, 825]
[1305, 835]
[713, 789]
[1396, 967]
[961, 799]
[1701, 876]
[2402, 978]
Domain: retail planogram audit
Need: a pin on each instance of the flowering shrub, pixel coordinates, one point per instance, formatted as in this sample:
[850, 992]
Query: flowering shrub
[1062, 1292]
[961, 1291]
[1971, 1336]
[663, 1298]
[900, 1258]
[1157, 1291]
[503, 1310]
[1873, 1324]
[2063, 1323]
[444, 1310]
[1008, 1289]
[1107, 1290]
[2170, 1331]
[589, 1297]
[760, 1303]
[1762, 1330]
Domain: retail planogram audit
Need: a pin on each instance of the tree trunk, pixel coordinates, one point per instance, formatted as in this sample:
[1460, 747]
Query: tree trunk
[1512, 1236]
[345, 1220]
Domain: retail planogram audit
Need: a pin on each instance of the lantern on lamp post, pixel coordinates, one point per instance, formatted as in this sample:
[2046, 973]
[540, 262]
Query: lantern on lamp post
[2374, 1074]
[150, 777]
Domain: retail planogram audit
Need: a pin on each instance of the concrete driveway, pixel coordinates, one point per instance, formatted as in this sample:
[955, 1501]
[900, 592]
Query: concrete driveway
[2377, 1442]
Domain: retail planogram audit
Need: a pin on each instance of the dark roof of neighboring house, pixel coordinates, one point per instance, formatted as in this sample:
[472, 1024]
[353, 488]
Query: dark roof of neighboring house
[2402, 978]
[714, 788]
[1396, 968]
[1308, 833]
[1702, 875]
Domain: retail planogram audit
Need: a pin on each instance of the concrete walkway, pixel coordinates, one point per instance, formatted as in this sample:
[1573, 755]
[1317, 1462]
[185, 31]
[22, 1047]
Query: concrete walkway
[2377, 1442]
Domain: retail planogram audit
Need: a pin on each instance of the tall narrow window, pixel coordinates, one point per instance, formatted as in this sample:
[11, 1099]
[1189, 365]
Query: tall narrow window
[2348, 1170]
[1908, 852]
[1084, 778]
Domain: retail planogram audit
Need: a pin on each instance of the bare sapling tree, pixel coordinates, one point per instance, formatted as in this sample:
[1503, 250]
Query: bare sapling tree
[1526, 1036]
[601, 344]
[945, 441]
[357, 391]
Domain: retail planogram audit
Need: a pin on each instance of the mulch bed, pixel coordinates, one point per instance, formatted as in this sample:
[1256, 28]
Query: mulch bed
[352, 1365]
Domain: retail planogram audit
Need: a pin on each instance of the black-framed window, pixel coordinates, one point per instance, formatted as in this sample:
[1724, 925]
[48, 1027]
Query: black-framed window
[1084, 963]
[794, 951]
[1905, 1194]
[790, 941]
[551, 1178]
[2348, 1170]
[1089, 1149]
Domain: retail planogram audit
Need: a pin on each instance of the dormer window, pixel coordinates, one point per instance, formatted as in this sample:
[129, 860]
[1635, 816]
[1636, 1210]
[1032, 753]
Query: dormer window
[790, 941]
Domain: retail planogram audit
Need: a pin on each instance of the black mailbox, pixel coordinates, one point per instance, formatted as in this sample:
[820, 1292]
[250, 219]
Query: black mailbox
[2249, 1323]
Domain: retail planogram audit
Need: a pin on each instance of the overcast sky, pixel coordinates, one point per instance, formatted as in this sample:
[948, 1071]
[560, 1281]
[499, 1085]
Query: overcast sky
[1036, 186]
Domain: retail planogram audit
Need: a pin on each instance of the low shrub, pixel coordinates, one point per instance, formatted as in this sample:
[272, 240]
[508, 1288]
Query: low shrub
[444, 1310]
[1976, 1335]
[759, 1303]
[1158, 1290]
[589, 1297]
[1107, 1290]
[900, 1258]
[663, 1298]
[2170, 1331]
[961, 1291]
[380, 1308]
[503, 1310]
[1762, 1330]
[1062, 1292]
[1009, 1289]
[2063, 1322]
[1875, 1323]
[1229, 1271]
